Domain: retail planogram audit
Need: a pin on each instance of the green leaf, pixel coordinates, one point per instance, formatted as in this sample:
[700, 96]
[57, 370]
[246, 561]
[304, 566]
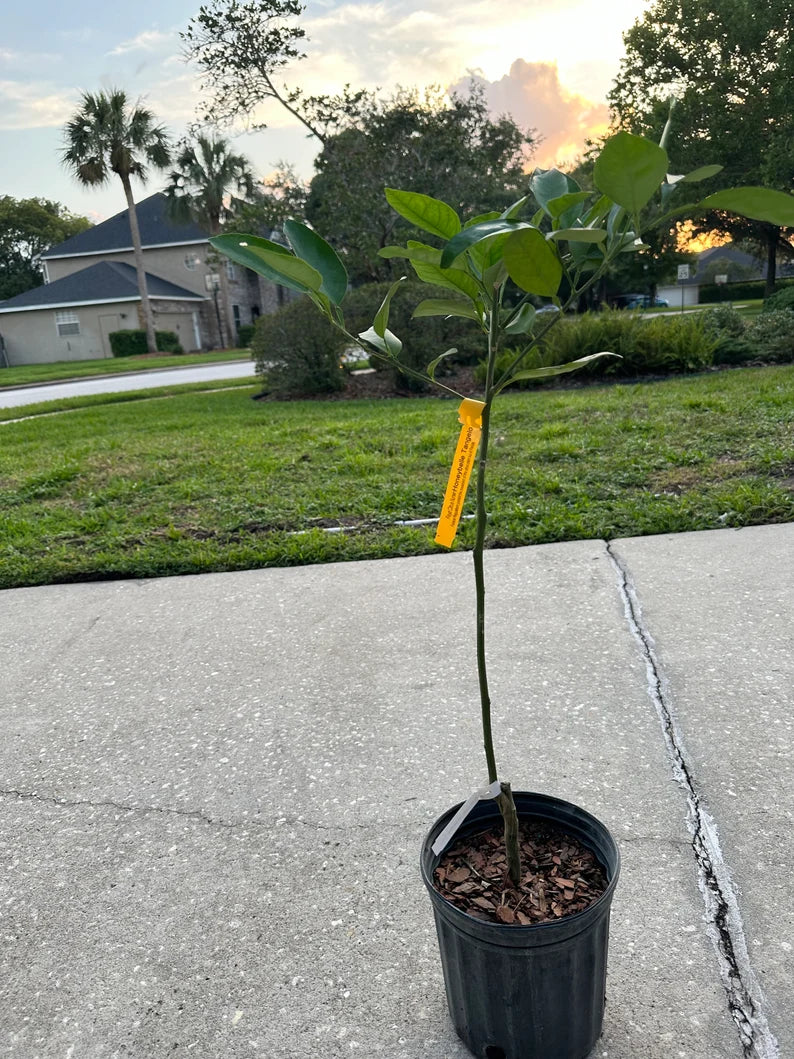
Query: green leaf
[492, 216]
[495, 275]
[381, 321]
[513, 211]
[532, 263]
[579, 235]
[469, 237]
[614, 219]
[393, 251]
[587, 256]
[522, 321]
[555, 369]
[454, 279]
[702, 173]
[313, 249]
[548, 185]
[431, 215]
[445, 307]
[431, 367]
[270, 260]
[629, 170]
[597, 212]
[387, 344]
[759, 204]
[557, 207]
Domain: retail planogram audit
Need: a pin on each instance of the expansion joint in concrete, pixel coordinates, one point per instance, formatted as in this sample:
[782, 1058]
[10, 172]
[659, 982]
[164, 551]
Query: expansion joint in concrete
[722, 911]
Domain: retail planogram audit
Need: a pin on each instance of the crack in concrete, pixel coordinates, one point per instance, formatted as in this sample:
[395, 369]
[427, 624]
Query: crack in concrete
[744, 995]
[192, 814]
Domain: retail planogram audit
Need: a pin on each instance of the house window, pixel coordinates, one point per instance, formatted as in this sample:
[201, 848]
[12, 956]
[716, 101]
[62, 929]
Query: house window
[191, 262]
[236, 315]
[67, 324]
[231, 271]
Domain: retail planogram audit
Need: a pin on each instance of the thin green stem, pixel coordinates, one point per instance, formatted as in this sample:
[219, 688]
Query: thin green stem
[505, 799]
[479, 550]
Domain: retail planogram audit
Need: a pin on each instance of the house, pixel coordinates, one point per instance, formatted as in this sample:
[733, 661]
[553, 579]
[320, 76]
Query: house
[726, 260]
[91, 290]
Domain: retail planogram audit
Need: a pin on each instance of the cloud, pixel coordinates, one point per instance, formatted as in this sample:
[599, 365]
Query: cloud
[151, 40]
[531, 92]
[33, 105]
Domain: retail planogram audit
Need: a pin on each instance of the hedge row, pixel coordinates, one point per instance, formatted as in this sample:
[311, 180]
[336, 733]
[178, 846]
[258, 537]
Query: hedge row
[133, 343]
[751, 289]
[668, 344]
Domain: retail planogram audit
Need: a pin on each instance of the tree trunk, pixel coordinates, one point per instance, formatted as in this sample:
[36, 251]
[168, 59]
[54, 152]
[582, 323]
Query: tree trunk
[227, 338]
[773, 236]
[146, 309]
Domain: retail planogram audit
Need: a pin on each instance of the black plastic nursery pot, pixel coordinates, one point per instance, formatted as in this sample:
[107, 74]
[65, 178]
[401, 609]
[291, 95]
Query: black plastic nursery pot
[526, 992]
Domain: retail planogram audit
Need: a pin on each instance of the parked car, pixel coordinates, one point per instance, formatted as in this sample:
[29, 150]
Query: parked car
[640, 301]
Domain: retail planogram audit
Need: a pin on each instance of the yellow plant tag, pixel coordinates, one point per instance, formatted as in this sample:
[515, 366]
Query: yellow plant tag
[470, 415]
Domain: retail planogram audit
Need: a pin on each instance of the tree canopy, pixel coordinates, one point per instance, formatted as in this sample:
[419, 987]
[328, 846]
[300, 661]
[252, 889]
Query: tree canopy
[207, 181]
[110, 135]
[729, 65]
[242, 48]
[450, 148]
[28, 227]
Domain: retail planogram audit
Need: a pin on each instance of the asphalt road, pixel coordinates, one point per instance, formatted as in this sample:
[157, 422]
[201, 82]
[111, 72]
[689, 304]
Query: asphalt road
[143, 380]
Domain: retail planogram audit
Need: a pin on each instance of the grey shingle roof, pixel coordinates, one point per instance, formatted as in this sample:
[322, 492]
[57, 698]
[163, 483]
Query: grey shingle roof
[114, 233]
[107, 281]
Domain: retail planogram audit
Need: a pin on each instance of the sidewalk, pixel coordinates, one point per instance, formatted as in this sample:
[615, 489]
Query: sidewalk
[214, 790]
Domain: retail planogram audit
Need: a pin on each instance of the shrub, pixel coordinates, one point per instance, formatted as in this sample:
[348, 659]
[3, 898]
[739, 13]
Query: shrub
[168, 342]
[772, 336]
[664, 345]
[423, 339]
[128, 343]
[730, 331]
[676, 344]
[245, 335]
[781, 299]
[724, 321]
[132, 343]
[298, 351]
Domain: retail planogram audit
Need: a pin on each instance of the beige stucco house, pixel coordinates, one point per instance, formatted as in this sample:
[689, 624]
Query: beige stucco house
[91, 289]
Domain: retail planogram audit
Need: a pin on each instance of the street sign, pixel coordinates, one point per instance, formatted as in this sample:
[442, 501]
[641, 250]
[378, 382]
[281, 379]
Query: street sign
[683, 271]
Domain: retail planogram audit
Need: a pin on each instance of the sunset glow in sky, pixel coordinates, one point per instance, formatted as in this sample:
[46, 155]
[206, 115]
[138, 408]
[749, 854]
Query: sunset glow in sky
[550, 65]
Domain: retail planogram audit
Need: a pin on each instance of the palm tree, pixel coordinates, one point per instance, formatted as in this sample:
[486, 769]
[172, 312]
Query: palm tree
[109, 135]
[207, 180]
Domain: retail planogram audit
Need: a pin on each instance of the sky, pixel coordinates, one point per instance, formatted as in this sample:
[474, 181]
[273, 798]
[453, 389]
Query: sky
[548, 63]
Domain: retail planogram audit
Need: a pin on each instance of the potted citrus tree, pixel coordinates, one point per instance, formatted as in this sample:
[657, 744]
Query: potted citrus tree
[521, 884]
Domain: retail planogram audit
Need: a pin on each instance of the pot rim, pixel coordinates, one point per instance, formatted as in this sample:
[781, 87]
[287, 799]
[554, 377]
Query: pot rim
[480, 813]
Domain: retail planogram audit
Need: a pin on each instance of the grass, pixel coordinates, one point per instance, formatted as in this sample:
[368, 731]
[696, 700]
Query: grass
[30, 374]
[745, 307]
[216, 481]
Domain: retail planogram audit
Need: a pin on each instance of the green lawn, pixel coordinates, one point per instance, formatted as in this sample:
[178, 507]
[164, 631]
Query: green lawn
[29, 374]
[217, 481]
[744, 306]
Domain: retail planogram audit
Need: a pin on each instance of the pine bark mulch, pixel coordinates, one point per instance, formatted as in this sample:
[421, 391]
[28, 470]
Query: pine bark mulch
[560, 875]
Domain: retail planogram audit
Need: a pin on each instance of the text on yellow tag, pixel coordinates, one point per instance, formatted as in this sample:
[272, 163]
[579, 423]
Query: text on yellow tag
[470, 415]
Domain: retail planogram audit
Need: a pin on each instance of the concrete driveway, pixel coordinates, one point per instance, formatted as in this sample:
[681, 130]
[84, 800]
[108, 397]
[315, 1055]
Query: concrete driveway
[213, 790]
